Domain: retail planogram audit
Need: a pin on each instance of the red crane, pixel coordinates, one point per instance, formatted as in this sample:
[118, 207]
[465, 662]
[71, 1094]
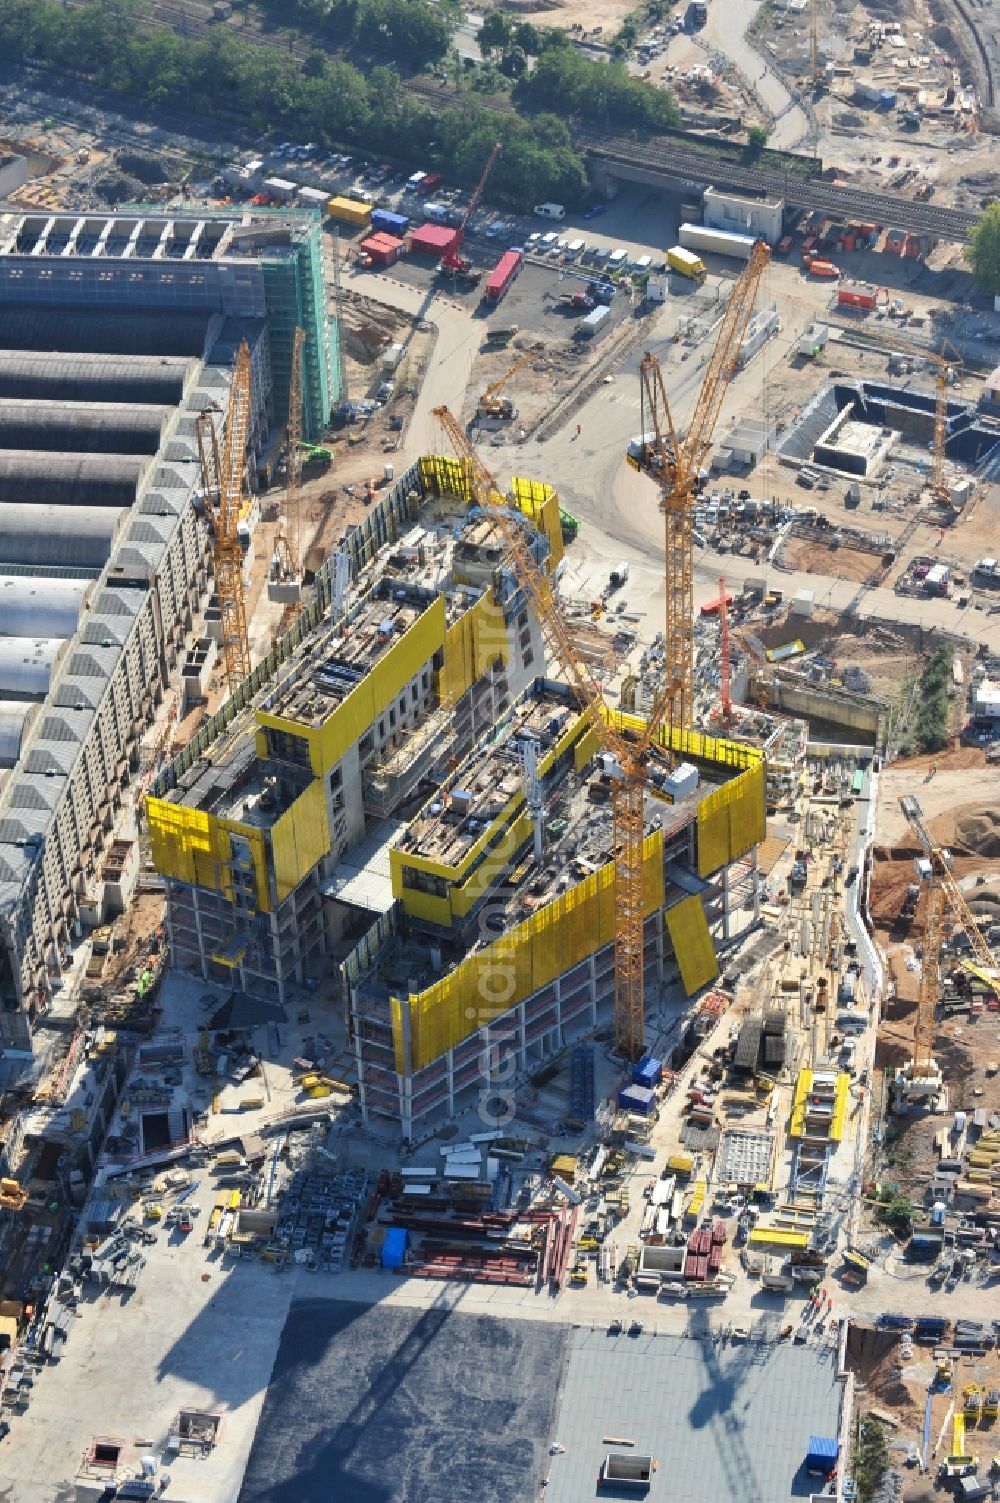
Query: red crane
[453, 260]
[724, 676]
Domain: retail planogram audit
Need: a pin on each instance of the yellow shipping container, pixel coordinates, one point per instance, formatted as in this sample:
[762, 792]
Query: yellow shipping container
[350, 211]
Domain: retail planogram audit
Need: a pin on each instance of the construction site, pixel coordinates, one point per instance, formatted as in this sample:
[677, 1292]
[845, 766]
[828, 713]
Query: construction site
[500, 872]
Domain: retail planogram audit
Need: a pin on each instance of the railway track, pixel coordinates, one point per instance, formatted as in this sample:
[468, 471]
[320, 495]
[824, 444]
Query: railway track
[666, 159]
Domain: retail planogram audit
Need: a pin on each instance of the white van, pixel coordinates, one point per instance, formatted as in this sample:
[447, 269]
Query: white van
[618, 258]
[575, 248]
[548, 241]
[550, 211]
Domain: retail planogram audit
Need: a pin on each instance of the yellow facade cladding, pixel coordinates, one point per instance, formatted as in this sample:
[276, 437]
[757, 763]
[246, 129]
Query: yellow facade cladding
[467, 885]
[498, 977]
[840, 1095]
[300, 839]
[540, 505]
[471, 644]
[347, 723]
[732, 819]
[538, 501]
[189, 845]
[692, 942]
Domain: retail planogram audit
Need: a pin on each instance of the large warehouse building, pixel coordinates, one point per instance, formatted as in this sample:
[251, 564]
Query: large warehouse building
[115, 333]
[401, 792]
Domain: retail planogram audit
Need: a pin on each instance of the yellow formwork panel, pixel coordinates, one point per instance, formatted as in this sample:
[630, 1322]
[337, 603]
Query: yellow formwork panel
[840, 1096]
[300, 839]
[377, 690]
[688, 929]
[540, 504]
[797, 1124]
[731, 820]
[528, 957]
[773, 1236]
[445, 476]
[189, 845]
[471, 644]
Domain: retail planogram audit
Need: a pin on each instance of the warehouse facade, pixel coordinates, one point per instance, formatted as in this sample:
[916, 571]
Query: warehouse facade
[116, 332]
[400, 793]
[254, 264]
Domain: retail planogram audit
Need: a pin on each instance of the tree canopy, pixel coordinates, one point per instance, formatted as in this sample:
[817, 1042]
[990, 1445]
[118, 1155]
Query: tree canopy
[602, 93]
[983, 252]
[325, 100]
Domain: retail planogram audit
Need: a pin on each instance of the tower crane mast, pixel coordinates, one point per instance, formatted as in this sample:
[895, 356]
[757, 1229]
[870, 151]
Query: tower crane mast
[675, 464]
[676, 467]
[222, 483]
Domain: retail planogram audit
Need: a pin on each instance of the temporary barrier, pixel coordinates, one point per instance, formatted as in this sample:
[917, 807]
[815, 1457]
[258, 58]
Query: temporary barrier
[692, 942]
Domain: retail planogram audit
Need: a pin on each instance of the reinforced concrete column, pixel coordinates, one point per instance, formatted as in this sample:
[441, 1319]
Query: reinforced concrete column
[754, 878]
[406, 1106]
[522, 1035]
[659, 944]
[560, 1035]
[449, 1066]
[725, 901]
[592, 967]
[359, 1063]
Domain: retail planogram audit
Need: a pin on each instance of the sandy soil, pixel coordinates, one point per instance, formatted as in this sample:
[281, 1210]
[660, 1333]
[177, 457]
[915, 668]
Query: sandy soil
[961, 777]
[816, 558]
[604, 14]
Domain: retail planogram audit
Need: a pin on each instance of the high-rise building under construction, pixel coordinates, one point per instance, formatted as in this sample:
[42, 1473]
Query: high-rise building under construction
[401, 799]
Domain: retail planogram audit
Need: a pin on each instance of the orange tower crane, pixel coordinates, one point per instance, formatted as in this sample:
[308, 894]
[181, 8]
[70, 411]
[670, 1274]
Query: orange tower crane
[948, 368]
[628, 746]
[222, 482]
[676, 465]
[725, 659]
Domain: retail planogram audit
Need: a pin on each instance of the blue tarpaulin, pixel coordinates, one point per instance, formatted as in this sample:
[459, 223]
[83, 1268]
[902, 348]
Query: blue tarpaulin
[397, 1240]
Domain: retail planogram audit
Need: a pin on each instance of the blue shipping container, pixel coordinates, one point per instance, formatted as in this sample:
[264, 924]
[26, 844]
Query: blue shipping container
[393, 224]
[887, 99]
[822, 1454]
[638, 1099]
[647, 1072]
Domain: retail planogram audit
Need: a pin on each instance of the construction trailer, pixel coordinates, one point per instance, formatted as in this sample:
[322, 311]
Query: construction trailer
[286, 836]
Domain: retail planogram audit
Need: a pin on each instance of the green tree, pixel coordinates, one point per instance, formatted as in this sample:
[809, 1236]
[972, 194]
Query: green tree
[983, 251]
[871, 1458]
[513, 63]
[756, 139]
[496, 33]
[528, 37]
[898, 1215]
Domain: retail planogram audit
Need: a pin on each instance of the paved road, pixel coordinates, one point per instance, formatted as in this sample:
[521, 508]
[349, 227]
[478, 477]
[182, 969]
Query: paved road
[726, 31]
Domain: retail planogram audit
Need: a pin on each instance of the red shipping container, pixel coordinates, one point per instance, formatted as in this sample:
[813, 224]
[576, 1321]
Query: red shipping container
[432, 240]
[383, 249]
[850, 295]
[503, 274]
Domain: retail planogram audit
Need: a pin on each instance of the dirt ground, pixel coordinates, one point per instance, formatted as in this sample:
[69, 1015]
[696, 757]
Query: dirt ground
[943, 782]
[846, 563]
[597, 18]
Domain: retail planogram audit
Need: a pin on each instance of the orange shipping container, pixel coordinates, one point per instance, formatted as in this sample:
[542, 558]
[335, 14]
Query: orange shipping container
[824, 269]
